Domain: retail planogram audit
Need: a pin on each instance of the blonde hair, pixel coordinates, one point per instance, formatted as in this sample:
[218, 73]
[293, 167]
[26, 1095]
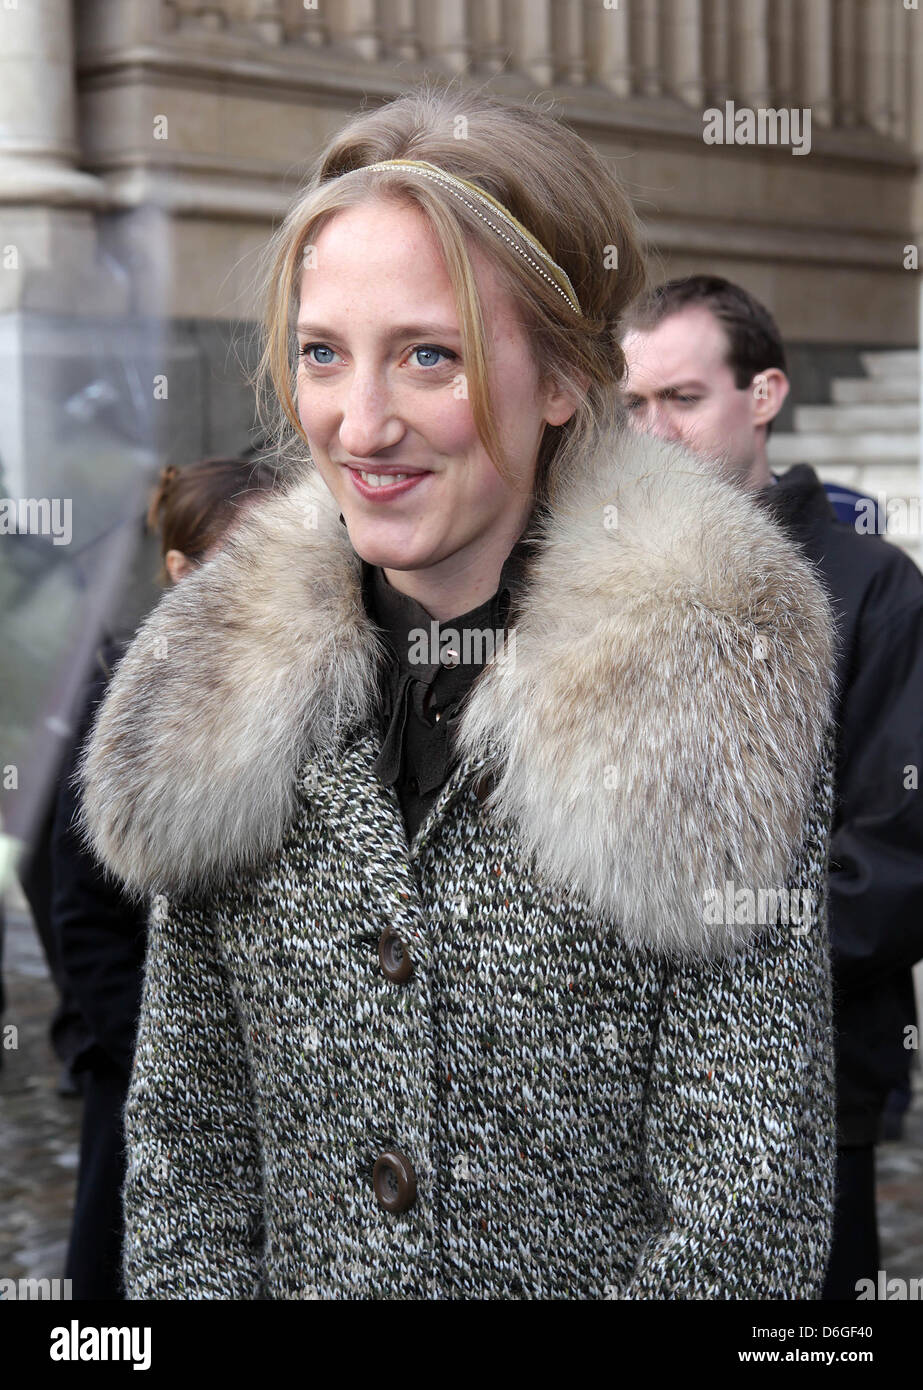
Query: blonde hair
[549, 178]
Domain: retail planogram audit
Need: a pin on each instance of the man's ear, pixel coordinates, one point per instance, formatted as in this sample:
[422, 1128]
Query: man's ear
[768, 390]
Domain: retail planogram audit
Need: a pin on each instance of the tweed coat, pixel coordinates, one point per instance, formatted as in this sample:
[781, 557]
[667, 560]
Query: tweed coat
[609, 1079]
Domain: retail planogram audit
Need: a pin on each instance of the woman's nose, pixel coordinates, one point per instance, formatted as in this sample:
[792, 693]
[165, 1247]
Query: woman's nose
[368, 422]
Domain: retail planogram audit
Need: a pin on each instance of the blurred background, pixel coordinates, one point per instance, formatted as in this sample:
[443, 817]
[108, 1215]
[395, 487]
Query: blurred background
[148, 147]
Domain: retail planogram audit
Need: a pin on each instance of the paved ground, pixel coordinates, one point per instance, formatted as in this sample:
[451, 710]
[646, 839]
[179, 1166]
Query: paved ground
[39, 1137]
[39, 1131]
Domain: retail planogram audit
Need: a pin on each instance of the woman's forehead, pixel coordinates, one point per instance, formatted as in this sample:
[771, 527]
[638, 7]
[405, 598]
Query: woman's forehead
[398, 230]
[380, 253]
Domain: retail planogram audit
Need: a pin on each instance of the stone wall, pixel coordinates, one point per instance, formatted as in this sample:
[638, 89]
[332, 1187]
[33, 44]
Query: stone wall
[148, 146]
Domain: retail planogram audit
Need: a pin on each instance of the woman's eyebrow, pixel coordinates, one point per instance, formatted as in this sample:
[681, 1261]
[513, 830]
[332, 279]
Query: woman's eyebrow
[402, 330]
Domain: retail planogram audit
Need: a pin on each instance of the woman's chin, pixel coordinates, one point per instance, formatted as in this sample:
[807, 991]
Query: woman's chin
[389, 551]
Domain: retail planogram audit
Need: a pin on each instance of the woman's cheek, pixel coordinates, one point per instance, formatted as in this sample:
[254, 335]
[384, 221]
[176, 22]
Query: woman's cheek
[306, 414]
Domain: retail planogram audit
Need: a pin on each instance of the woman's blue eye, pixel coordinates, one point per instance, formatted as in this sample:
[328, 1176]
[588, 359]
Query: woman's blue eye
[324, 362]
[309, 347]
[442, 352]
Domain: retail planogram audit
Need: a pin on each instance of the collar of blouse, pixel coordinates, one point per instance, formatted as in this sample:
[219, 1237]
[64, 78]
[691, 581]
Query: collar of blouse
[422, 698]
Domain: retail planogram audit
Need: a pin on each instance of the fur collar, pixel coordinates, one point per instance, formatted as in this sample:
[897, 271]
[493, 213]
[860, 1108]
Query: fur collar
[655, 729]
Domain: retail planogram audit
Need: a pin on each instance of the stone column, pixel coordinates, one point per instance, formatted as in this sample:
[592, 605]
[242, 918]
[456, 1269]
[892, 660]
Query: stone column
[570, 20]
[782, 44]
[845, 58]
[488, 52]
[752, 52]
[612, 44]
[649, 48]
[534, 48]
[718, 52]
[684, 52]
[817, 39]
[49, 269]
[873, 38]
[355, 25]
[405, 41]
[38, 143]
[447, 36]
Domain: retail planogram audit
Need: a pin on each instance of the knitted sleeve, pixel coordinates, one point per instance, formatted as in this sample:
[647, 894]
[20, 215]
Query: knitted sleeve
[192, 1194]
[739, 1126]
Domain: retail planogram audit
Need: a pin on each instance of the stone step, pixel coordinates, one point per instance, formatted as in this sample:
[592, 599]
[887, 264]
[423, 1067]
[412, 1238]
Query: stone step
[869, 440]
[875, 390]
[891, 416]
[904, 362]
[868, 448]
[875, 480]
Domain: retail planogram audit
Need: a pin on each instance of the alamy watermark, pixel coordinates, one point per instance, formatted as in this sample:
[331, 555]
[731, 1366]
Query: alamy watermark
[37, 516]
[86, 1343]
[742, 125]
[886, 515]
[449, 646]
[25, 1290]
[729, 905]
[896, 1289]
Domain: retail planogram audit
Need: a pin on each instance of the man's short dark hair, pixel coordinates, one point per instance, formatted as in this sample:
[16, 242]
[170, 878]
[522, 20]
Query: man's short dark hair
[754, 340]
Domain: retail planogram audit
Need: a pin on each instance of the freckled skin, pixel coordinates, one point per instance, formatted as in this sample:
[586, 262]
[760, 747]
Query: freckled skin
[679, 386]
[367, 397]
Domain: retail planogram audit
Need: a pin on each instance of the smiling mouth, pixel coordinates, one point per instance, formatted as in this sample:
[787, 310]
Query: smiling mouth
[387, 484]
[385, 477]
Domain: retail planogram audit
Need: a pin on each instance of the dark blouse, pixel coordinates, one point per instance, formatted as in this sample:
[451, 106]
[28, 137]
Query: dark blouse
[428, 672]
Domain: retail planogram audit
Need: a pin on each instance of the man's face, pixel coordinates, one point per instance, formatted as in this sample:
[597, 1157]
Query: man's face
[679, 386]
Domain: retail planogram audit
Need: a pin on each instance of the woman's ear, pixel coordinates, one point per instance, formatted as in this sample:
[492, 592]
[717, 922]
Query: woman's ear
[561, 401]
[178, 565]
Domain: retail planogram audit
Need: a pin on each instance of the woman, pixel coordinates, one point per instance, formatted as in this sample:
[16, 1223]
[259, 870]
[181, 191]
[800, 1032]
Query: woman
[100, 933]
[438, 1002]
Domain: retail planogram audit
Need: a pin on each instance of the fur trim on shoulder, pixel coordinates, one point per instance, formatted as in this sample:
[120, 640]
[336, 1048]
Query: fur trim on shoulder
[244, 668]
[658, 726]
[655, 728]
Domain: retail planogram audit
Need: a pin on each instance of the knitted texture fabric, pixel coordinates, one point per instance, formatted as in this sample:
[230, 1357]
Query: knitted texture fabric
[584, 1121]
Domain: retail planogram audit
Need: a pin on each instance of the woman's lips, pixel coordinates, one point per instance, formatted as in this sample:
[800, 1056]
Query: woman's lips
[383, 490]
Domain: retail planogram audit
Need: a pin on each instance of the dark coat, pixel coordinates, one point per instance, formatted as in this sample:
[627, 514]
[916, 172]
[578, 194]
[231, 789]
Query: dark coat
[100, 937]
[100, 933]
[876, 853]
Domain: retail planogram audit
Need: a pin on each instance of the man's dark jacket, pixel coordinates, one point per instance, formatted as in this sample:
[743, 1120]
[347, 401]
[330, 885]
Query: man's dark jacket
[876, 854]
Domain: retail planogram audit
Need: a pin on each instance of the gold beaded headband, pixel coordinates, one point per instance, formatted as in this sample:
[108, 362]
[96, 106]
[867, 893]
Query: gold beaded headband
[558, 278]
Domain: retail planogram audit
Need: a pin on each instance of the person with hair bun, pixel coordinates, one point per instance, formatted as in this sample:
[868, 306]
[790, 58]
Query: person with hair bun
[191, 509]
[484, 791]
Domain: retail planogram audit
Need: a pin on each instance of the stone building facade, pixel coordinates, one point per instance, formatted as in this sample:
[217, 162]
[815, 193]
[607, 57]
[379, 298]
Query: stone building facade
[147, 147]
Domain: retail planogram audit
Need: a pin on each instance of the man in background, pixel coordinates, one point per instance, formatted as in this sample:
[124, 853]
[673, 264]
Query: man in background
[706, 367]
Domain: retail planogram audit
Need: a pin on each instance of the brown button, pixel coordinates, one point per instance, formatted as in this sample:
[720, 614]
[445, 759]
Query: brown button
[394, 956]
[394, 1181]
